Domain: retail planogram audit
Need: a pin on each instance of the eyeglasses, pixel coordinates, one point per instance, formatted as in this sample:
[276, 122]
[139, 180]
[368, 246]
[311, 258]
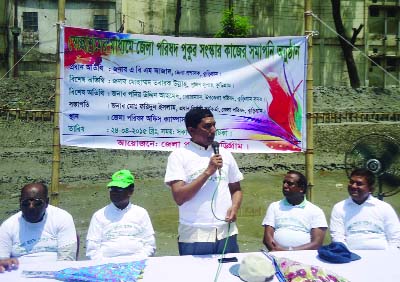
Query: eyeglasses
[36, 202]
[289, 183]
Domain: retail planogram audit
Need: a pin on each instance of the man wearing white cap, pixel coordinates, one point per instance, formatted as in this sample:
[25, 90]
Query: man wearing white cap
[120, 228]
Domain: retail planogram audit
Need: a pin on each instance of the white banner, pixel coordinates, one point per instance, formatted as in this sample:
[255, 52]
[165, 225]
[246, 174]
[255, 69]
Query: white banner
[125, 91]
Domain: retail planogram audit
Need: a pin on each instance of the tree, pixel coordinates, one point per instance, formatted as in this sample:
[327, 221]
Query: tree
[234, 25]
[178, 16]
[346, 47]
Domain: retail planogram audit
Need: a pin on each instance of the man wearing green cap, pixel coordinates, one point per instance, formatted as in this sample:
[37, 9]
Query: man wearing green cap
[120, 228]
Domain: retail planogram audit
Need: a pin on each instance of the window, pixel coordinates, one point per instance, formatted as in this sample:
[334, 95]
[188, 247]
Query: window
[374, 11]
[391, 64]
[100, 22]
[30, 21]
[391, 13]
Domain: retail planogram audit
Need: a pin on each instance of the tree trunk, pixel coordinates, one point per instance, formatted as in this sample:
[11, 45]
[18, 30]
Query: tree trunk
[347, 49]
[178, 16]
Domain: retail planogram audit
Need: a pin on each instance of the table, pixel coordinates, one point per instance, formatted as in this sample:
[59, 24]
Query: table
[374, 266]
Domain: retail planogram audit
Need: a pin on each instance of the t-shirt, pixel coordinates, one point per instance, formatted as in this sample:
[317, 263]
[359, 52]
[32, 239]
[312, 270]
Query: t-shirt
[49, 239]
[371, 225]
[293, 224]
[187, 164]
[114, 232]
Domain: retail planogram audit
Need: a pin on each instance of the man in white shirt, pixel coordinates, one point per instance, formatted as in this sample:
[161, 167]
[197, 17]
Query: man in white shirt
[39, 232]
[120, 228]
[205, 183]
[362, 221]
[294, 223]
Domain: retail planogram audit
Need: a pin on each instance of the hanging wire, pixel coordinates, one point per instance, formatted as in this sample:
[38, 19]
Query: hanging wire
[37, 41]
[229, 228]
[348, 42]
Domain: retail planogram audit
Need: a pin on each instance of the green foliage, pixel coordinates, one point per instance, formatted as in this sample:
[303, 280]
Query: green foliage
[234, 25]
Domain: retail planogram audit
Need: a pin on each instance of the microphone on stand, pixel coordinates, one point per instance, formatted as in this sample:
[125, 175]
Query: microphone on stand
[215, 146]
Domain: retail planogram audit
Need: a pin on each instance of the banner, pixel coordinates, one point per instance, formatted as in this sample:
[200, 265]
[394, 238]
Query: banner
[125, 91]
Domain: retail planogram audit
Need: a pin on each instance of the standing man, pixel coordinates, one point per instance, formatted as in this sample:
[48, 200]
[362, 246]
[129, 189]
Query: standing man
[39, 232]
[362, 221]
[294, 223]
[205, 183]
[120, 228]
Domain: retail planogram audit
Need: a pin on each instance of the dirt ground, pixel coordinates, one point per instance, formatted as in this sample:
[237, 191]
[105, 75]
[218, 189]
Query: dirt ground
[26, 156]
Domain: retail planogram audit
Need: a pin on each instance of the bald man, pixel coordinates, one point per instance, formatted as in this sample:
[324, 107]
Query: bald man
[39, 232]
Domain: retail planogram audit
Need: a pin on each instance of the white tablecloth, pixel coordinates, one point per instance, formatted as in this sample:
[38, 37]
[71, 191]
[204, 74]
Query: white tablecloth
[374, 266]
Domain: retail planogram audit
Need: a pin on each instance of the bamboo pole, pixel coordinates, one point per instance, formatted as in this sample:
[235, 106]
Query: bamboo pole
[55, 174]
[309, 101]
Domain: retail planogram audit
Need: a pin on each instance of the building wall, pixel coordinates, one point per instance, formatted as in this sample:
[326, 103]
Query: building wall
[378, 38]
[39, 59]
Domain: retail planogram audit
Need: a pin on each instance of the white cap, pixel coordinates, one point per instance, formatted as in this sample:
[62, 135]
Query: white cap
[255, 268]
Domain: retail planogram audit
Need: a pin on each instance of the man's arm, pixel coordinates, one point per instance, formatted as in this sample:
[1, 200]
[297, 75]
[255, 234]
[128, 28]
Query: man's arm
[336, 226]
[67, 238]
[183, 192]
[237, 196]
[269, 241]
[93, 239]
[8, 264]
[6, 240]
[392, 228]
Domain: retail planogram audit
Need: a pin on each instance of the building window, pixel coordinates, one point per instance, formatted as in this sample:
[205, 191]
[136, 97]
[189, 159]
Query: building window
[391, 13]
[30, 21]
[374, 11]
[100, 22]
[391, 64]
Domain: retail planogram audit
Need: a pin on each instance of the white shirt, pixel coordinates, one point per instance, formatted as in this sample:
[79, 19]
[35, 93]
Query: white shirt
[54, 237]
[371, 225]
[187, 164]
[293, 224]
[114, 232]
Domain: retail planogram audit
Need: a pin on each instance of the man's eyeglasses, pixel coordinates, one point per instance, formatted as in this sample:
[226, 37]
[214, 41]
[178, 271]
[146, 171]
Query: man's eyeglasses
[289, 183]
[36, 202]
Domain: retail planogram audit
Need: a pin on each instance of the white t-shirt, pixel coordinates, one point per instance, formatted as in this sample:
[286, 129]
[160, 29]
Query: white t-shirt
[41, 241]
[187, 164]
[114, 232]
[371, 225]
[293, 224]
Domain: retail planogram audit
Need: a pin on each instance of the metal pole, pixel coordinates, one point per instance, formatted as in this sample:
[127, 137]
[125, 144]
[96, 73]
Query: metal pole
[55, 175]
[308, 27]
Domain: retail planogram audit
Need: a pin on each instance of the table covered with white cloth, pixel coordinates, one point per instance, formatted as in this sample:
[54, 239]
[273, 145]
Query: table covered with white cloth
[374, 266]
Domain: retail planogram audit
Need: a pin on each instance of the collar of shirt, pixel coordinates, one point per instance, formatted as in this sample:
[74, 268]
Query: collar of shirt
[369, 200]
[301, 205]
[124, 210]
[199, 147]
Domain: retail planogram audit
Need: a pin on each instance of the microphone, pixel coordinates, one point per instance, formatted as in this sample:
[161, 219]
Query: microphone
[215, 146]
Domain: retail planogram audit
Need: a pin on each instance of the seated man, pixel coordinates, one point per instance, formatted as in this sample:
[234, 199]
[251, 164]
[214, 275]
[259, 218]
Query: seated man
[39, 232]
[120, 228]
[293, 223]
[362, 221]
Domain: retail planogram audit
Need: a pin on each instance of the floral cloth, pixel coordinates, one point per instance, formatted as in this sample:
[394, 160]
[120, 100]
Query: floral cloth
[299, 272]
[110, 272]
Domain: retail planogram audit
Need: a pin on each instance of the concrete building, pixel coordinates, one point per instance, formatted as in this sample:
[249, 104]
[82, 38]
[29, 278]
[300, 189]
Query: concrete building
[378, 41]
[31, 31]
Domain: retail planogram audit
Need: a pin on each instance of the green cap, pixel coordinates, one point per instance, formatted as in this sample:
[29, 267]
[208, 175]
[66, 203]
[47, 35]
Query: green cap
[122, 179]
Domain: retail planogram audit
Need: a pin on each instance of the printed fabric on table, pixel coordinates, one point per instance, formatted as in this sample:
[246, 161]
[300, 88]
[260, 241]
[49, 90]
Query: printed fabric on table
[110, 272]
[299, 272]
